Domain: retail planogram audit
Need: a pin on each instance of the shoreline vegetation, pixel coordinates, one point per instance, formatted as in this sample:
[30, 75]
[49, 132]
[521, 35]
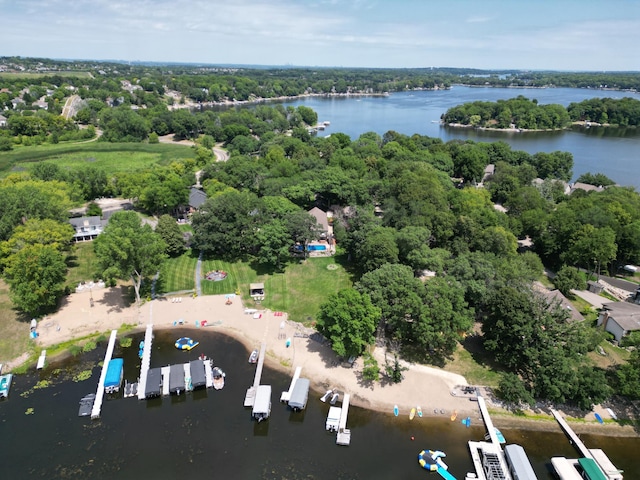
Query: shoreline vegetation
[318, 361]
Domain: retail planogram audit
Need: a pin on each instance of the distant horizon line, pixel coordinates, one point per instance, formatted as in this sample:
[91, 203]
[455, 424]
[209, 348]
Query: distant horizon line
[293, 66]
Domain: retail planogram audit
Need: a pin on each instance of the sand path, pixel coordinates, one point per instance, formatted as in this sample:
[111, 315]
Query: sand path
[428, 387]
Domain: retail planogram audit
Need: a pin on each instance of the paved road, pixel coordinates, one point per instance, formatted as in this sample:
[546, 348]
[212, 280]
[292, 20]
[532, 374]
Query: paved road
[621, 283]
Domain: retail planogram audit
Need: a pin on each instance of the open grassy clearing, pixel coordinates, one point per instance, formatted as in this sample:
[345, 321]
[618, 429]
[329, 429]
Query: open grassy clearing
[476, 372]
[178, 274]
[299, 291]
[82, 263]
[111, 157]
[613, 355]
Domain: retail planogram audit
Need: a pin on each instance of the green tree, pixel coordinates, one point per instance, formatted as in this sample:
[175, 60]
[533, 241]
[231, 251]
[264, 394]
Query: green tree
[127, 249]
[569, 278]
[36, 275]
[37, 232]
[171, 234]
[348, 320]
[273, 243]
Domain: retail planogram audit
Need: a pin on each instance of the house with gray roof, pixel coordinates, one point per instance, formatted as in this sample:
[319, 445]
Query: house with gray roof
[87, 228]
[556, 298]
[619, 318]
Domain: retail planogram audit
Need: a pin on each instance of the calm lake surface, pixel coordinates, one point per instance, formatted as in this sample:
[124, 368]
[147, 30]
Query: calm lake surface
[209, 434]
[614, 152]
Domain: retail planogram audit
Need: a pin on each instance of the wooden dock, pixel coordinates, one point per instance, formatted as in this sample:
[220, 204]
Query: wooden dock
[488, 458]
[250, 397]
[97, 404]
[287, 395]
[597, 455]
[165, 380]
[208, 371]
[145, 363]
[187, 377]
[344, 434]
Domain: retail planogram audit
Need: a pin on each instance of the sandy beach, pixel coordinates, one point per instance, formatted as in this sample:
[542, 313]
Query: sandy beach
[436, 391]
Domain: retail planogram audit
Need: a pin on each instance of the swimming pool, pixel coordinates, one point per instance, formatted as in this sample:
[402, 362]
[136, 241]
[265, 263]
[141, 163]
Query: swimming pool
[316, 248]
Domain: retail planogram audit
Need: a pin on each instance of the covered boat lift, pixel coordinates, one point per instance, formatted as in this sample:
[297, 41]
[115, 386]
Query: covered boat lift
[300, 394]
[176, 379]
[153, 387]
[262, 403]
[519, 464]
[198, 376]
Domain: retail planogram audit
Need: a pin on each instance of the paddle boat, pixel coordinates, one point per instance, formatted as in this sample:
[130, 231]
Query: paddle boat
[501, 439]
[419, 409]
[186, 343]
[5, 385]
[326, 395]
[432, 460]
[218, 378]
[396, 410]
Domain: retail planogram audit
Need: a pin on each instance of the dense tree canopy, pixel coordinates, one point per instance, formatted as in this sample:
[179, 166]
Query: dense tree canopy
[129, 250]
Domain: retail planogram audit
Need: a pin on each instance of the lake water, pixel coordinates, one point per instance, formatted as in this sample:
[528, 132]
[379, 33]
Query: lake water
[614, 152]
[209, 434]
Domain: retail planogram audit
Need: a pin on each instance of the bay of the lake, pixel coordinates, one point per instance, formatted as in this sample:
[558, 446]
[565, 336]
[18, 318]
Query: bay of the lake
[612, 151]
[209, 434]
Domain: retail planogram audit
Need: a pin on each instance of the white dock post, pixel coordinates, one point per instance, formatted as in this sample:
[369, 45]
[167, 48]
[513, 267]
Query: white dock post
[97, 404]
[146, 362]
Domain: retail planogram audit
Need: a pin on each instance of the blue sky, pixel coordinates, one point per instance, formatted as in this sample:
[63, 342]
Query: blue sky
[494, 34]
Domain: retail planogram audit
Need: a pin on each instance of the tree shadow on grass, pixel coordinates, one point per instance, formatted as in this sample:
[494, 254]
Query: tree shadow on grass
[474, 344]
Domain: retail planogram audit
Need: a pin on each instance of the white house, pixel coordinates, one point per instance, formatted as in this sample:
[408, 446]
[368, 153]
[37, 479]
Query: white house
[620, 318]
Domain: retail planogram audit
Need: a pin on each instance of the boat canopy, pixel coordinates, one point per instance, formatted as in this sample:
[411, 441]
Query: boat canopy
[262, 402]
[300, 394]
[153, 388]
[198, 375]
[113, 379]
[519, 464]
[176, 379]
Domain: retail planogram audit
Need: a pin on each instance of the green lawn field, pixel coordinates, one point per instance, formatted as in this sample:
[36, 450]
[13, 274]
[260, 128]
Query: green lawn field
[111, 157]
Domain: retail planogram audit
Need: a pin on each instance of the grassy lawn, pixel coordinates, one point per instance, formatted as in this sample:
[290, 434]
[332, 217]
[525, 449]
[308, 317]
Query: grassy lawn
[82, 263]
[178, 273]
[470, 366]
[613, 355]
[111, 157]
[14, 330]
[299, 291]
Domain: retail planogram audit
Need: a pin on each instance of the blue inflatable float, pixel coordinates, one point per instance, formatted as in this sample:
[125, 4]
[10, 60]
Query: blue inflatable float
[186, 343]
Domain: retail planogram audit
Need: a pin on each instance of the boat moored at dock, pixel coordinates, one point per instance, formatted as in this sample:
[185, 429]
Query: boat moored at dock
[262, 403]
[5, 385]
[115, 372]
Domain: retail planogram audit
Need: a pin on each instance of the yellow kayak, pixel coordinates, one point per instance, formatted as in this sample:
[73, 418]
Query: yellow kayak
[412, 414]
[454, 415]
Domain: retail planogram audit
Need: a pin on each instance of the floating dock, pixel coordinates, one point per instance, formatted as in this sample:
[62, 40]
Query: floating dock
[97, 404]
[287, 395]
[344, 434]
[596, 455]
[41, 360]
[145, 363]
[250, 397]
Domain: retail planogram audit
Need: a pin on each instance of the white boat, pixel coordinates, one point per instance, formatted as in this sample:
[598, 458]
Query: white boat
[253, 358]
[218, 378]
[326, 395]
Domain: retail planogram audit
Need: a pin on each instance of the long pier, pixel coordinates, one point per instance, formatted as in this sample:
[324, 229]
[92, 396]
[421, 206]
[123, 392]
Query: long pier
[488, 458]
[344, 434]
[146, 362]
[573, 438]
[97, 404]
[287, 395]
[250, 397]
[597, 455]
